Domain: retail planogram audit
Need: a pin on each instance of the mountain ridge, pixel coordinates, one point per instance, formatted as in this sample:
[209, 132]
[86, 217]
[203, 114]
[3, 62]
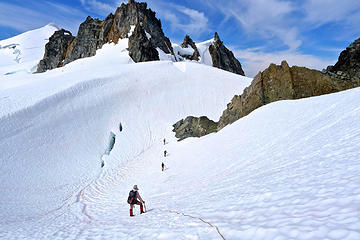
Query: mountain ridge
[94, 33]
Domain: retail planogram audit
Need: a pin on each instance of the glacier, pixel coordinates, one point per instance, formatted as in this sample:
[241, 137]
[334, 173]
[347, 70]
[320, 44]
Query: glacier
[288, 170]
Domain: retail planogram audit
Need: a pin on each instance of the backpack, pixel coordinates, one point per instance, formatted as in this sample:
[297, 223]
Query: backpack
[132, 197]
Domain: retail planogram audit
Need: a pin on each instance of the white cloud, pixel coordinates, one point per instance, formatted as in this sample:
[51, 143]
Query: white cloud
[98, 6]
[38, 14]
[64, 9]
[18, 17]
[255, 60]
[197, 22]
[289, 36]
[183, 19]
[264, 18]
[290, 20]
[320, 12]
[344, 13]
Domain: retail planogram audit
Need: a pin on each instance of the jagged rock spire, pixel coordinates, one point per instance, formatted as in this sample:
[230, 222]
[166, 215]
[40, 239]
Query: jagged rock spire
[189, 42]
[217, 38]
[223, 58]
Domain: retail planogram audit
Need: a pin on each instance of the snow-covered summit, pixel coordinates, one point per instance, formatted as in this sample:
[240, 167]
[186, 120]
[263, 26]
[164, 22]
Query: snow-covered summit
[149, 42]
[23, 52]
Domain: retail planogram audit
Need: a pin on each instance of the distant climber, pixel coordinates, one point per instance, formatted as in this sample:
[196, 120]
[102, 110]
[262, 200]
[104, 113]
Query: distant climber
[164, 141]
[165, 152]
[135, 198]
[162, 166]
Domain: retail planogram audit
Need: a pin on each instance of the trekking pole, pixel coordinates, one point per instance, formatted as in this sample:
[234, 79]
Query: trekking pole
[145, 207]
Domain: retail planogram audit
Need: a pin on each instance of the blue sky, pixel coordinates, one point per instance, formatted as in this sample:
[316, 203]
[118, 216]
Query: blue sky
[308, 33]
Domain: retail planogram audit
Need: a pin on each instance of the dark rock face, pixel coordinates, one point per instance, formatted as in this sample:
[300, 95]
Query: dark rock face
[223, 58]
[85, 44]
[94, 33]
[55, 50]
[91, 36]
[140, 47]
[347, 67]
[189, 42]
[194, 127]
[133, 13]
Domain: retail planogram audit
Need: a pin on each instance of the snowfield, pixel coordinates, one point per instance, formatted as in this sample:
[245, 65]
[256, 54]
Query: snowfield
[288, 170]
[22, 53]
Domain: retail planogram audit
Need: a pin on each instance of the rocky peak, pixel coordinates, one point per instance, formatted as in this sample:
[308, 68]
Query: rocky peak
[223, 58]
[189, 42]
[348, 65]
[217, 38]
[133, 13]
[94, 33]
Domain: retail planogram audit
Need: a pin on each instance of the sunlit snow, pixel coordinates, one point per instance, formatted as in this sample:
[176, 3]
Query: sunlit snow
[288, 170]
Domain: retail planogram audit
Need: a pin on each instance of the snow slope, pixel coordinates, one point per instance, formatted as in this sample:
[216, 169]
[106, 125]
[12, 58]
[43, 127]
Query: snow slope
[22, 53]
[289, 170]
[55, 126]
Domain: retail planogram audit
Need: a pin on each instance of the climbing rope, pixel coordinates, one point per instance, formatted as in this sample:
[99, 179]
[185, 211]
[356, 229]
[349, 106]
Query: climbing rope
[208, 223]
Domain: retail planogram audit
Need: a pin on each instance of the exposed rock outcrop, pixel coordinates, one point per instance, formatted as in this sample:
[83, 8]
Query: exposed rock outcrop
[55, 50]
[347, 67]
[277, 82]
[94, 33]
[140, 47]
[189, 42]
[223, 58]
[91, 36]
[194, 127]
[133, 13]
